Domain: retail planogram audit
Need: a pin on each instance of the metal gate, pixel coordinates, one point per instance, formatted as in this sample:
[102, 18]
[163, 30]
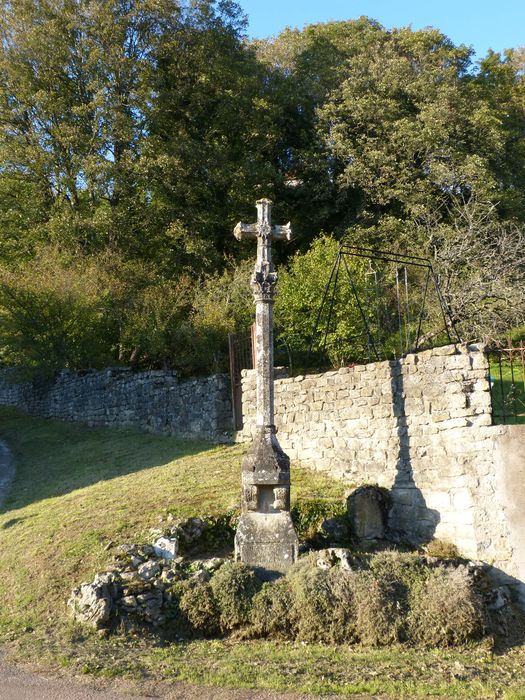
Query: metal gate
[507, 382]
[241, 350]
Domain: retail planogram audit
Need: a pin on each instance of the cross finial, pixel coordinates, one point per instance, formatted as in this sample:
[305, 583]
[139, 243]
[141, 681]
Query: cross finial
[264, 211]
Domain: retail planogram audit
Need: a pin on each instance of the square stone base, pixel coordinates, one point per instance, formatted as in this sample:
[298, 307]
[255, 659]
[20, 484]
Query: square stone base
[267, 542]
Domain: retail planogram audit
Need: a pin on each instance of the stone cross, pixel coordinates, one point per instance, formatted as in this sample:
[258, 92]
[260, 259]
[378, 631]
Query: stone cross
[265, 535]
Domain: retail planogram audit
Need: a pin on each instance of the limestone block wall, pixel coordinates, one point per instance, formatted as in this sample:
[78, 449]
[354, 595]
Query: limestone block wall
[156, 401]
[422, 427]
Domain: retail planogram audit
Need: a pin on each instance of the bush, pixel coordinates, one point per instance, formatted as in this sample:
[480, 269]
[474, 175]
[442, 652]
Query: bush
[378, 619]
[342, 626]
[311, 600]
[446, 610]
[233, 586]
[441, 549]
[301, 288]
[322, 603]
[384, 596]
[54, 313]
[399, 573]
[271, 613]
[198, 605]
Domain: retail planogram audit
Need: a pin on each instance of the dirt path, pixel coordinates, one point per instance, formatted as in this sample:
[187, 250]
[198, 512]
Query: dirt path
[19, 684]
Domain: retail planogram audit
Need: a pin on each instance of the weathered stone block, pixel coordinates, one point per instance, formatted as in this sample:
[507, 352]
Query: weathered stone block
[367, 510]
[267, 541]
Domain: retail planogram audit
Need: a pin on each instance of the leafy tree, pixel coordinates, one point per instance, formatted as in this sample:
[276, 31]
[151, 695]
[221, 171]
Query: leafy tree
[54, 314]
[86, 87]
[301, 291]
[212, 140]
[393, 123]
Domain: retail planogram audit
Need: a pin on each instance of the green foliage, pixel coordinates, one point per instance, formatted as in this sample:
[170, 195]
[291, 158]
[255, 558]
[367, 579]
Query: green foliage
[378, 620]
[323, 603]
[222, 304]
[442, 549]
[311, 601]
[120, 137]
[301, 290]
[396, 575]
[118, 126]
[219, 532]
[271, 613]
[234, 586]
[54, 313]
[308, 515]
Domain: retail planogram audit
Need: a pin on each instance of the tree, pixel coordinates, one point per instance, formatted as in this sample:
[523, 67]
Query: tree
[84, 87]
[393, 123]
[481, 268]
[212, 140]
[301, 291]
[53, 314]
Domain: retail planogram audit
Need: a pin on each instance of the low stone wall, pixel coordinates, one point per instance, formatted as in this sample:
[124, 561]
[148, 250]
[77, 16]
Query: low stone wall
[422, 427]
[155, 401]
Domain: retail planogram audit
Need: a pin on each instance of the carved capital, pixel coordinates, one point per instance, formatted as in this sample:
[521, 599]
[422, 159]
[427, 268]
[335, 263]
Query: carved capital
[263, 283]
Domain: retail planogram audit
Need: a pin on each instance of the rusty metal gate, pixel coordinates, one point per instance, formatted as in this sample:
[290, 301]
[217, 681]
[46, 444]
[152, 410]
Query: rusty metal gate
[241, 350]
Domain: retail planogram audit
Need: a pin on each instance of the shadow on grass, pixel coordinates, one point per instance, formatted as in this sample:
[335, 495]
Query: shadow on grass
[53, 458]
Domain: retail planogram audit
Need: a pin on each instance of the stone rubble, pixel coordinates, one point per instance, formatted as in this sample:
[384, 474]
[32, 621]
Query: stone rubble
[139, 584]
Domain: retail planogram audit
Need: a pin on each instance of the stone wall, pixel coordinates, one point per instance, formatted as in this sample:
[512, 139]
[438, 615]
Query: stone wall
[422, 427]
[155, 401]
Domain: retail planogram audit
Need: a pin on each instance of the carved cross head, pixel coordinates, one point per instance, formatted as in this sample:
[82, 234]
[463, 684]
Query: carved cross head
[264, 277]
[263, 227]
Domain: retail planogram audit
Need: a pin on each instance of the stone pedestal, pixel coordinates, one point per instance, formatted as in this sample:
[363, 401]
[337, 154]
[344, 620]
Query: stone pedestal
[265, 535]
[267, 542]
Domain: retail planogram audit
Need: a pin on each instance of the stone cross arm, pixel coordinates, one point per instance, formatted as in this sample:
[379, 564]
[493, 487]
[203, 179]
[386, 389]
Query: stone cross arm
[263, 226]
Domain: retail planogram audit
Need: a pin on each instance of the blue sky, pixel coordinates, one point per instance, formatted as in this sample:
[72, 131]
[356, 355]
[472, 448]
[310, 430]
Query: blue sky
[481, 24]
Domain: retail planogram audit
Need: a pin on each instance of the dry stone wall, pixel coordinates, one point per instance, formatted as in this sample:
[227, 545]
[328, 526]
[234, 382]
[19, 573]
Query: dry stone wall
[422, 427]
[156, 401]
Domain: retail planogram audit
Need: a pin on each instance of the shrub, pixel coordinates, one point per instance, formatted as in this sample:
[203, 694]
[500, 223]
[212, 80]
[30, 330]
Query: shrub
[301, 287]
[384, 595]
[442, 549]
[446, 610]
[342, 626]
[219, 533]
[54, 313]
[399, 573]
[378, 618]
[198, 605]
[271, 613]
[322, 603]
[233, 587]
[311, 608]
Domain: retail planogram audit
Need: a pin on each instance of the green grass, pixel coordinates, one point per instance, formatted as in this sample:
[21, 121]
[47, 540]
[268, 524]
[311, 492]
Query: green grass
[78, 489]
[508, 392]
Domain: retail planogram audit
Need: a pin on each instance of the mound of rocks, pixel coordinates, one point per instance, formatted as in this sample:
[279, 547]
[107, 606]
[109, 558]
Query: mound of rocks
[140, 586]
